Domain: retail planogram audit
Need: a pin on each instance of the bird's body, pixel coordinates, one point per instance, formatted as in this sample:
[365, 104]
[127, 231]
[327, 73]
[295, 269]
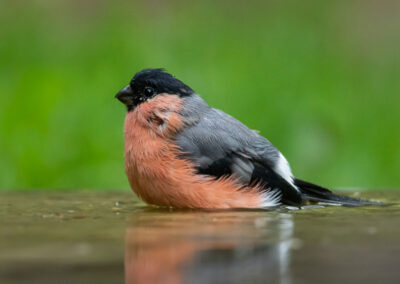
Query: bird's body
[181, 152]
[159, 175]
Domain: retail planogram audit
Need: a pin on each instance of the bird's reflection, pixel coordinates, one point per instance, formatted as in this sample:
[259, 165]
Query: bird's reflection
[208, 247]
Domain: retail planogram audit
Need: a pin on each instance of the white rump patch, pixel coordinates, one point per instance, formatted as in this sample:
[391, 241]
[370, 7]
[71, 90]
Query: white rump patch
[271, 198]
[283, 169]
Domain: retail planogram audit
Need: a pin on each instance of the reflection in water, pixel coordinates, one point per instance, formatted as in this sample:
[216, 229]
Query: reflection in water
[208, 247]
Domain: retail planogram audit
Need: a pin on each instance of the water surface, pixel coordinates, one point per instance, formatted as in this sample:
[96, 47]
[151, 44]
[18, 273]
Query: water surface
[111, 237]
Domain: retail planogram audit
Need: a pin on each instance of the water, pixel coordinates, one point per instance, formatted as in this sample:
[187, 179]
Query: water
[110, 237]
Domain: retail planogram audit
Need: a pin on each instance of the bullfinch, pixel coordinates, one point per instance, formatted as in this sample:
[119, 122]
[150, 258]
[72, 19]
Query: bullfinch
[180, 152]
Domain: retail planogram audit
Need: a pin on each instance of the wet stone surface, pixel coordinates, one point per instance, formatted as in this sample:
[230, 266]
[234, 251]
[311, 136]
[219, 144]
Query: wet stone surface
[111, 237]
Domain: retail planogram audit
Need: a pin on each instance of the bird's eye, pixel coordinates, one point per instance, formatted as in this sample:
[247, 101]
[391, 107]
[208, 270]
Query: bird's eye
[148, 91]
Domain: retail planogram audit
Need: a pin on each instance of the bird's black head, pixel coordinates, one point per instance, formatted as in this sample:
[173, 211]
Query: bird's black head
[149, 83]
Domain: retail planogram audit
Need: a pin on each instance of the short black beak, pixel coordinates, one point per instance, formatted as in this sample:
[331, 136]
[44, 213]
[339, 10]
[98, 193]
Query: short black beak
[125, 95]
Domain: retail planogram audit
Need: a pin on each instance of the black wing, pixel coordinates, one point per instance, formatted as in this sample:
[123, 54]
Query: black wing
[220, 145]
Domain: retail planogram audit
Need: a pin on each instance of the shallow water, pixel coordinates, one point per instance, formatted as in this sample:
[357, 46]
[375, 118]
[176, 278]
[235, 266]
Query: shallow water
[110, 237]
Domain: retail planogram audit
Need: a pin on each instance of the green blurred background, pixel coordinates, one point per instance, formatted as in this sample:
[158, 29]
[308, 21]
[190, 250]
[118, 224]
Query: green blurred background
[320, 79]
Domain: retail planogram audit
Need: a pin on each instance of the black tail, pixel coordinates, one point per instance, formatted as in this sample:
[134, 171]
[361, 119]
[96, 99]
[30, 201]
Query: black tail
[318, 194]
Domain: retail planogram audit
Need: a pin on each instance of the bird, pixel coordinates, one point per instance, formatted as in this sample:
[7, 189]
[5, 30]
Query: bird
[180, 152]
